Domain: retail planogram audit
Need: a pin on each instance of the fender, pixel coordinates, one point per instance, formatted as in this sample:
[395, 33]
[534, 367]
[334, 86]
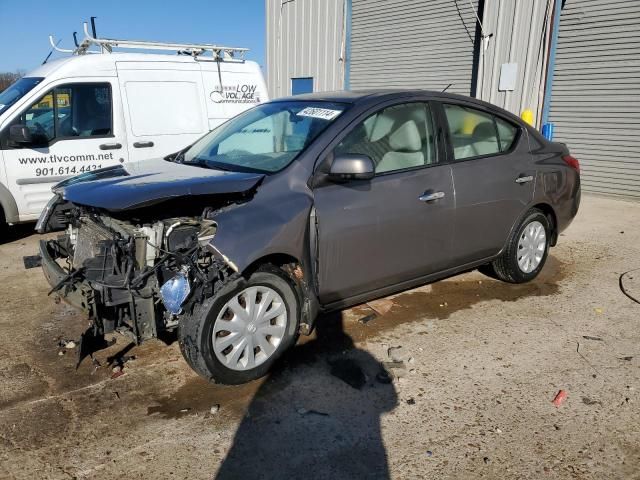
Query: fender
[9, 205]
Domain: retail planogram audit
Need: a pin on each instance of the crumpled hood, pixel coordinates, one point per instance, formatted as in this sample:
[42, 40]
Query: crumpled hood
[140, 184]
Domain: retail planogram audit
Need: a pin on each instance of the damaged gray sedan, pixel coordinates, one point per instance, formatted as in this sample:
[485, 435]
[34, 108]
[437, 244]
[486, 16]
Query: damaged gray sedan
[300, 206]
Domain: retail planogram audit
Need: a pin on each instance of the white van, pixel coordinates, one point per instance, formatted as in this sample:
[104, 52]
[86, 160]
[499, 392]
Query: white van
[95, 109]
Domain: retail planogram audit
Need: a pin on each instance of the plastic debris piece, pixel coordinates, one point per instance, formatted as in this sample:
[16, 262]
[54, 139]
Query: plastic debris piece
[589, 337]
[70, 345]
[429, 453]
[214, 409]
[560, 397]
[598, 310]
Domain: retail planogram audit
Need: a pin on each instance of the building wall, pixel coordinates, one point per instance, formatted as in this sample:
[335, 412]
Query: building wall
[595, 100]
[305, 38]
[519, 34]
[413, 44]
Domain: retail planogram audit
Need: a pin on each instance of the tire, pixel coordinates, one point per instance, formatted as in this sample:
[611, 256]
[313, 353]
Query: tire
[507, 267]
[4, 227]
[196, 330]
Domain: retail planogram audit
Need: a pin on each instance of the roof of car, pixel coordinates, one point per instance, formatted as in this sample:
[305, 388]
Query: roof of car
[357, 96]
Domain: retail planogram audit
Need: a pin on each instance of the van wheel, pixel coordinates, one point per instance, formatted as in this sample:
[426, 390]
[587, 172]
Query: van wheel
[236, 335]
[526, 251]
[4, 227]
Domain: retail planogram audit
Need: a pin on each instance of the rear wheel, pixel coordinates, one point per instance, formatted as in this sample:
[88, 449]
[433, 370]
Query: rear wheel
[236, 335]
[526, 251]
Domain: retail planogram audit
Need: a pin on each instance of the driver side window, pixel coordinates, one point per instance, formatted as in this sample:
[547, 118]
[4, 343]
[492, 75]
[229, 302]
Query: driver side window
[70, 111]
[395, 138]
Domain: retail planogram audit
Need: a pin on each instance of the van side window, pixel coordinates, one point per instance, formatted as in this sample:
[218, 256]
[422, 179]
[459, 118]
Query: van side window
[395, 138]
[473, 132]
[69, 111]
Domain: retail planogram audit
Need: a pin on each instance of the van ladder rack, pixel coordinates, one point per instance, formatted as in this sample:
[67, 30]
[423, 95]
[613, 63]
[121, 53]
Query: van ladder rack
[193, 49]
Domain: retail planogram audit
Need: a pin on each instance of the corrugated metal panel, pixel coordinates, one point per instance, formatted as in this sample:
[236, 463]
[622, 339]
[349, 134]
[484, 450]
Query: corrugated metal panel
[520, 35]
[305, 38]
[413, 44]
[595, 102]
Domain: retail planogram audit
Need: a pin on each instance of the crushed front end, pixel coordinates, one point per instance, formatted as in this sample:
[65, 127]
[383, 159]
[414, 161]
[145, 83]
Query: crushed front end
[132, 272]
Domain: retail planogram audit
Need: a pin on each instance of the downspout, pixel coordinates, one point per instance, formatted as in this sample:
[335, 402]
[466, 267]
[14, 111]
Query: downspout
[347, 49]
[546, 106]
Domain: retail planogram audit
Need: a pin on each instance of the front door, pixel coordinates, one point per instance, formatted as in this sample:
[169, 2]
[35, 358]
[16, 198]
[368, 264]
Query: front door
[493, 177]
[72, 132]
[395, 227]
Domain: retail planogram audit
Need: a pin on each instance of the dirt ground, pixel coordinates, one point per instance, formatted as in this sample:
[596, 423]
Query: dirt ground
[479, 365]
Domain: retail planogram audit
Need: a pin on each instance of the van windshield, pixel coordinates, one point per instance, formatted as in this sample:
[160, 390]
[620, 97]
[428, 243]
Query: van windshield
[266, 138]
[16, 91]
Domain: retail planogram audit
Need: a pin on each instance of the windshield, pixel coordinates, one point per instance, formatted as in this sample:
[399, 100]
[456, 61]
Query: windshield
[16, 91]
[264, 139]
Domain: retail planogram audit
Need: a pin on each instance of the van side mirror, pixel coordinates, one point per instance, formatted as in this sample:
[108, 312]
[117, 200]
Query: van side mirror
[20, 134]
[351, 167]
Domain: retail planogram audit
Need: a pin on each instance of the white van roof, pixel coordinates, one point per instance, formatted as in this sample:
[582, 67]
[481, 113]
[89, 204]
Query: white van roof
[105, 64]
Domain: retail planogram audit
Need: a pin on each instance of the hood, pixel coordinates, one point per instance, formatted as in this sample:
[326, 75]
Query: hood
[141, 184]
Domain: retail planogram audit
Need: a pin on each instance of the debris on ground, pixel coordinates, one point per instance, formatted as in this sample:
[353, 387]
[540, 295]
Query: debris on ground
[589, 337]
[394, 364]
[429, 453]
[348, 370]
[411, 401]
[560, 397]
[214, 409]
[598, 310]
[384, 376]
[486, 460]
[627, 359]
[588, 401]
[70, 345]
[395, 354]
[32, 261]
[498, 431]
[117, 371]
[366, 319]
[304, 411]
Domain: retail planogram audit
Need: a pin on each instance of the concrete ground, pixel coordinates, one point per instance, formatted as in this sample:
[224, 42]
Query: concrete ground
[479, 365]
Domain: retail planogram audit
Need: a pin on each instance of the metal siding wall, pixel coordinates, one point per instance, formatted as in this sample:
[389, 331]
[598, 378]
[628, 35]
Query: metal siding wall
[595, 101]
[412, 44]
[520, 35]
[305, 38]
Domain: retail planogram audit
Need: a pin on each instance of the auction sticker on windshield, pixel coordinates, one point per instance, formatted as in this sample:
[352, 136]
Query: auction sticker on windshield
[323, 113]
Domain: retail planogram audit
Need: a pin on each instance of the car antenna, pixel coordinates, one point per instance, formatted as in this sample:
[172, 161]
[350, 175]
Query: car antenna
[51, 52]
[446, 88]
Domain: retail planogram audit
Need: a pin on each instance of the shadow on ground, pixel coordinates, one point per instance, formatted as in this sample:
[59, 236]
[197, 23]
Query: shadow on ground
[321, 422]
[16, 232]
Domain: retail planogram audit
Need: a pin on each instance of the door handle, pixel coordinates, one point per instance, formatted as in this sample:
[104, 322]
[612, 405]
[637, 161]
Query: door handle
[143, 144]
[430, 197]
[110, 146]
[524, 179]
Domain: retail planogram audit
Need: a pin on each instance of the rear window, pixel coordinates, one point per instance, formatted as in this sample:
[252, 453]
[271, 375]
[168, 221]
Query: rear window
[476, 133]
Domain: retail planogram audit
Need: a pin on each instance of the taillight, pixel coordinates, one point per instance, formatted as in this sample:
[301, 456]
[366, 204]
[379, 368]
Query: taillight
[572, 162]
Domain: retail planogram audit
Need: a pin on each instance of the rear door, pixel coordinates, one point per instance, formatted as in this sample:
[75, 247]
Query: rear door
[74, 132]
[163, 106]
[381, 232]
[493, 176]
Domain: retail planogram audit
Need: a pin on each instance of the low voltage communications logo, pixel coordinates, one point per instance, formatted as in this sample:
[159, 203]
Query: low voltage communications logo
[239, 93]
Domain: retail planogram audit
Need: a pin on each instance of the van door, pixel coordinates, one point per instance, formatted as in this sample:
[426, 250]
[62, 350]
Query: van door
[231, 87]
[73, 131]
[164, 106]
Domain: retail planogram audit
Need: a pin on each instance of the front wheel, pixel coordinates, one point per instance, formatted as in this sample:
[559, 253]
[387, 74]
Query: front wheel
[526, 251]
[236, 335]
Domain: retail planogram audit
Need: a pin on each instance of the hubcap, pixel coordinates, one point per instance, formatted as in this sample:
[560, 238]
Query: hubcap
[531, 246]
[249, 328]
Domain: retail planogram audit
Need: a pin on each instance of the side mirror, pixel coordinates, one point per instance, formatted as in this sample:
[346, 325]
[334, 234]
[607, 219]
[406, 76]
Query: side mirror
[351, 167]
[20, 134]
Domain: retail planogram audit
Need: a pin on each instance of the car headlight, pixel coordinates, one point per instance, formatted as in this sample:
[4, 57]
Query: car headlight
[174, 292]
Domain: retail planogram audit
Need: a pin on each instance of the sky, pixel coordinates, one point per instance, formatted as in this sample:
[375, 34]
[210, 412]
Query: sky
[25, 25]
